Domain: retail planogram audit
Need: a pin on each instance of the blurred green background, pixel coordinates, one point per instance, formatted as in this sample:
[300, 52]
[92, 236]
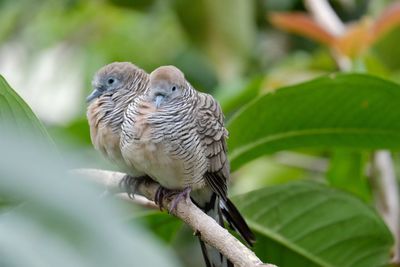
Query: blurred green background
[49, 51]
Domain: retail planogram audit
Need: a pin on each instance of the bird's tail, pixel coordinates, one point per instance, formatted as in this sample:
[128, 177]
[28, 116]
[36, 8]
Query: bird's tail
[220, 209]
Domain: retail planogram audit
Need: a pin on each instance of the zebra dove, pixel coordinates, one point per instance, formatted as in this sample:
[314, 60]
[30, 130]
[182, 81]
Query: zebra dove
[176, 135]
[114, 87]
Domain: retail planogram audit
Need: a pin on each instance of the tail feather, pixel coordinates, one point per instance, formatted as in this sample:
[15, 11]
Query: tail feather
[212, 257]
[236, 221]
[220, 209]
[209, 203]
[205, 254]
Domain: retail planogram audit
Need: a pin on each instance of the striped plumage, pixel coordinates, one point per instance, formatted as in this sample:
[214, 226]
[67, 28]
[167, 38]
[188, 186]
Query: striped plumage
[176, 135]
[108, 103]
[171, 129]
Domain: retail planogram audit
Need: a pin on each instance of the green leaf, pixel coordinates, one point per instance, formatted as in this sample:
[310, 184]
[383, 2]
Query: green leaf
[14, 111]
[137, 4]
[163, 225]
[308, 224]
[343, 110]
[347, 171]
[233, 99]
[63, 221]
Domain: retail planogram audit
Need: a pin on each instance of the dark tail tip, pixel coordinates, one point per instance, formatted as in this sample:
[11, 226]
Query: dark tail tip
[237, 222]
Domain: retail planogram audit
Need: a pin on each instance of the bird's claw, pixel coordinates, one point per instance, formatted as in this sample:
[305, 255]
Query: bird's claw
[185, 194]
[130, 184]
[162, 193]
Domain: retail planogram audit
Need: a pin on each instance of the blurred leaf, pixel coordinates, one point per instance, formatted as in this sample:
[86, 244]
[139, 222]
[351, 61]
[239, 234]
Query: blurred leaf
[386, 49]
[322, 60]
[281, 4]
[192, 18]
[307, 224]
[14, 110]
[355, 40]
[197, 68]
[227, 39]
[137, 4]
[343, 110]
[233, 99]
[389, 19]
[62, 217]
[347, 171]
[373, 65]
[163, 225]
[302, 24]
[358, 37]
[77, 131]
[262, 172]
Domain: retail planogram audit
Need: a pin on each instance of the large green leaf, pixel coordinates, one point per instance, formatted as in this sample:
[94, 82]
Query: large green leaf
[347, 171]
[62, 220]
[343, 110]
[61, 217]
[308, 224]
[15, 112]
[162, 224]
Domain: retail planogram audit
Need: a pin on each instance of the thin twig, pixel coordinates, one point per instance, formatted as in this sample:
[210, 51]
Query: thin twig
[325, 16]
[387, 196]
[203, 225]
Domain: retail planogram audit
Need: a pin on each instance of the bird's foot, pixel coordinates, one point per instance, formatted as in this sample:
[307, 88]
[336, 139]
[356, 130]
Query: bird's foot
[184, 194]
[130, 184]
[159, 196]
[163, 192]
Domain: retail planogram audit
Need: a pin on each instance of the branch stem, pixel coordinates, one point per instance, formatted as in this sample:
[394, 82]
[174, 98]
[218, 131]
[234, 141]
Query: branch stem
[203, 225]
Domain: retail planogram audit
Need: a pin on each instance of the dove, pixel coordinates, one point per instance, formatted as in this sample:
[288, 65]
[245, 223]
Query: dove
[176, 135]
[114, 87]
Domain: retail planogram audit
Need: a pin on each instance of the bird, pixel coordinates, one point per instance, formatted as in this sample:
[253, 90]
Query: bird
[176, 135]
[115, 85]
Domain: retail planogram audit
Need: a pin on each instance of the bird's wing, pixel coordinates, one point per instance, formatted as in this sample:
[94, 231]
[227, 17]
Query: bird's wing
[210, 127]
[213, 134]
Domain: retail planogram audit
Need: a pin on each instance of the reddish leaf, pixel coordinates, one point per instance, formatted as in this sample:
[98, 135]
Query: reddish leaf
[389, 19]
[301, 24]
[355, 41]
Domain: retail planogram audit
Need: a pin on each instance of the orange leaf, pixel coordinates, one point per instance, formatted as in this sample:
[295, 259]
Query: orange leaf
[301, 24]
[356, 39]
[389, 19]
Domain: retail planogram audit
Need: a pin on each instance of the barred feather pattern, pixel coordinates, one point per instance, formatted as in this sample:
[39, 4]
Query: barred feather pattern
[106, 113]
[164, 143]
[183, 144]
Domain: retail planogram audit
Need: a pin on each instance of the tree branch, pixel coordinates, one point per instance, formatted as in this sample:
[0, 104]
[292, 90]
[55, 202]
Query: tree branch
[387, 196]
[325, 16]
[203, 225]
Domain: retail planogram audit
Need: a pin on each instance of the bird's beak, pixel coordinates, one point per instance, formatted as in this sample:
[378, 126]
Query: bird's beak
[159, 99]
[96, 93]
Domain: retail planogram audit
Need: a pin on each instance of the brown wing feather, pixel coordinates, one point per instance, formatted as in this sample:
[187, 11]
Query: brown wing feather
[213, 134]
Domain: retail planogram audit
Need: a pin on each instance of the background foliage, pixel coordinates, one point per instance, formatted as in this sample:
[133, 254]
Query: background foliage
[302, 144]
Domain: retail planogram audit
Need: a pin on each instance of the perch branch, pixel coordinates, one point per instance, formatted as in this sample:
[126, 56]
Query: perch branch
[203, 225]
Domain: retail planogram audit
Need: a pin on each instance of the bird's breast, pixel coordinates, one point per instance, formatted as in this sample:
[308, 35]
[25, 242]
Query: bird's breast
[153, 159]
[103, 136]
[163, 145]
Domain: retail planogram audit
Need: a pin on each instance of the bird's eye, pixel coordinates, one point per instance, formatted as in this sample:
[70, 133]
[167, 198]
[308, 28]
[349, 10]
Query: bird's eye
[110, 81]
[173, 88]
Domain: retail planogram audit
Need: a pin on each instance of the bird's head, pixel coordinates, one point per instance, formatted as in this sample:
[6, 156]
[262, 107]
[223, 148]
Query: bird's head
[110, 78]
[166, 83]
